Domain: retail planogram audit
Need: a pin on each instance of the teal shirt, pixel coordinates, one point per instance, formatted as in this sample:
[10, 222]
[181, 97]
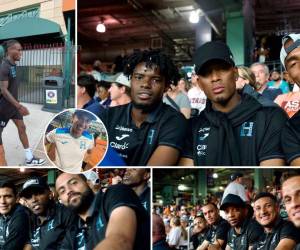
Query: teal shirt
[284, 86]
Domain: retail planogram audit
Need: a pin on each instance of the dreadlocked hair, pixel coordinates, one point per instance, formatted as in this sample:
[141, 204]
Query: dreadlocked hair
[153, 58]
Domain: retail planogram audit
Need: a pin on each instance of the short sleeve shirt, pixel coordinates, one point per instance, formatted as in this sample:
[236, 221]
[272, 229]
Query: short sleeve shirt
[282, 230]
[8, 72]
[87, 235]
[70, 151]
[164, 126]
[251, 232]
[50, 234]
[257, 138]
[290, 138]
[218, 231]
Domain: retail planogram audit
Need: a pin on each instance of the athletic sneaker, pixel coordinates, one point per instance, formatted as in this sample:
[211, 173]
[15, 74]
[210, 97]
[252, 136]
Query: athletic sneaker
[35, 162]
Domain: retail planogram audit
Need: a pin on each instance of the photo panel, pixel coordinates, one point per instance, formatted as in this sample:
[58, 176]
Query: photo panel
[50, 209]
[230, 208]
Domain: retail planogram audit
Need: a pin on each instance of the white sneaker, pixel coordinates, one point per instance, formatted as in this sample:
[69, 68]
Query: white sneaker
[35, 162]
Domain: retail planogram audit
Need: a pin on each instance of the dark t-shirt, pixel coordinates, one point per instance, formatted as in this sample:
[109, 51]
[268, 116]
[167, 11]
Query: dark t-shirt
[218, 231]
[164, 126]
[251, 232]
[282, 230]
[271, 93]
[145, 198]
[88, 235]
[8, 72]
[50, 234]
[14, 229]
[290, 138]
[253, 138]
[94, 107]
[197, 239]
[161, 245]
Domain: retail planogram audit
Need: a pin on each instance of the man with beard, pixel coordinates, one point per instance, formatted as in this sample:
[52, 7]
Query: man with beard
[50, 220]
[71, 144]
[290, 137]
[114, 219]
[14, 220]
[199, 231]
[147, 131]
[279, 234]
[216, 236]
[244, 231]
[137, 179]
[291, 200]
[234, 129]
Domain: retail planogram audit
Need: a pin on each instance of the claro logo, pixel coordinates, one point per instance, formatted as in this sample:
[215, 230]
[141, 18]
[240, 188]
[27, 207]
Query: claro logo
[119, 146]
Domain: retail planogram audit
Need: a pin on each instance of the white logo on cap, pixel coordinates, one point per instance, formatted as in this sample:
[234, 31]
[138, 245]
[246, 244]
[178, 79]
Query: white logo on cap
[30, 182]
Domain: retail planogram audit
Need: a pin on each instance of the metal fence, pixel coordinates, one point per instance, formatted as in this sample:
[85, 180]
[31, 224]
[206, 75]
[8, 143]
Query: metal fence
[40, 61]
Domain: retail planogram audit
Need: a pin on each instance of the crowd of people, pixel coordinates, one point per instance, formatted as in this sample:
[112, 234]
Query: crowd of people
[267, 220]
[226, 115]
[77, 213]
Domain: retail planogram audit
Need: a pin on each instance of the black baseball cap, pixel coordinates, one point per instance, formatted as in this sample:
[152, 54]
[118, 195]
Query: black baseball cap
[236, 175]
[212, 51]
[33, 184]
[232, 199]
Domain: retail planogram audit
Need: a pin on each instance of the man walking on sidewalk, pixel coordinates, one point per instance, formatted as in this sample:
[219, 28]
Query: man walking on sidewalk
[10, 108]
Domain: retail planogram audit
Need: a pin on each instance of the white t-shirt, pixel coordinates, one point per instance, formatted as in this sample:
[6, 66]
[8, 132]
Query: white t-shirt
[174, 236]
[237, 189]
[70, 151]
[197, 98]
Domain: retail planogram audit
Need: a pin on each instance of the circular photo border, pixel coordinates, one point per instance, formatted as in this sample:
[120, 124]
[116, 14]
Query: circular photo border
[58, 130]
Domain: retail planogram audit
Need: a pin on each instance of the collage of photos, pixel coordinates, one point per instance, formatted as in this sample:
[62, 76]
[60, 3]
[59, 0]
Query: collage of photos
[144, 124]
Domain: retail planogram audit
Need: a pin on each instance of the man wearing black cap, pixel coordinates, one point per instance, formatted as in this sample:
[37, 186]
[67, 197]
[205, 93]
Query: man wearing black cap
[147, 131]
[244, 231]
[279, 234]
[234, 129]
[14, 219]
[290, 59]
[86, 88]
[114, 219]
[51, 220]
[216, 235]
[236, 186]
[72, 143]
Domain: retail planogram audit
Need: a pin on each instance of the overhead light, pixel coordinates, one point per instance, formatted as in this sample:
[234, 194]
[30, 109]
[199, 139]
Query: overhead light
[194, 16]
[215, 175]
[101, 28]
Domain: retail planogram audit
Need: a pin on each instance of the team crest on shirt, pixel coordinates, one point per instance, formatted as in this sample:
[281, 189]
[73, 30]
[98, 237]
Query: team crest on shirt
[201, 147]
[150, 136]
[82, 145]
[247, 129]
[13, 72]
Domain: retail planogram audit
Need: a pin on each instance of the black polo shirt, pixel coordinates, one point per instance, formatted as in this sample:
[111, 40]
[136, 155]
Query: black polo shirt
[197, 239]
[14, 229]
[282, 230]
[51, 232]
[145, 198]
[86, 235]
[290, 138]
[218, 231]
[8, 72]
[164, 126]
[247, 135]
[251, 232]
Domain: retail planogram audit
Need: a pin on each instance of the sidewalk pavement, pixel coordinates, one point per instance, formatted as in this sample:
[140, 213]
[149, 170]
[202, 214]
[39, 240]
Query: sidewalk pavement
[36, 123]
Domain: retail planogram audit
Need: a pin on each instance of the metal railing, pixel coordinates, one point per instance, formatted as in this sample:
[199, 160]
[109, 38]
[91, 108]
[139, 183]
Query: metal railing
[37, 62]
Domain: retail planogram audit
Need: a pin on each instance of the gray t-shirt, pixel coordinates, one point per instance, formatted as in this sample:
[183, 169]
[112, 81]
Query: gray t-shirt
[181, 100]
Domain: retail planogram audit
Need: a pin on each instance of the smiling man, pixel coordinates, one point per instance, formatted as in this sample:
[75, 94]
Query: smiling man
[72, 143]
[234, 129]
[279, 234]
[51, 220]
[111, 220]
[146, 131]
[14, 220]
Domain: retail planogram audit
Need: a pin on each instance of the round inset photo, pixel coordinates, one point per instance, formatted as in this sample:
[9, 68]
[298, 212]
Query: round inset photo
[75, 140]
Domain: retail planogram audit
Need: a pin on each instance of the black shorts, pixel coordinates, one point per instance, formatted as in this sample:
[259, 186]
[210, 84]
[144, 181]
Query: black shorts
[4, 118]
